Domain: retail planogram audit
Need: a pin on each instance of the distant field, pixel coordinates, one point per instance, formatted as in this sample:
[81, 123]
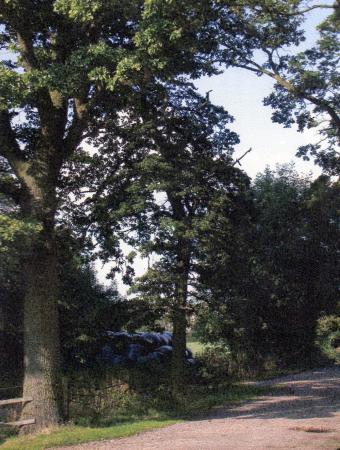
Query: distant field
[196, 347]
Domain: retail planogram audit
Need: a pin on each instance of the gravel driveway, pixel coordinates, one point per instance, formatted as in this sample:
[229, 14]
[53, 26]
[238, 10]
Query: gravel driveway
[303, 413]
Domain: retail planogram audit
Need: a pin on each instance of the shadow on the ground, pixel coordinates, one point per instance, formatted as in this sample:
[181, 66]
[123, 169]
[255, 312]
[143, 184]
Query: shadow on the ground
[313, 394]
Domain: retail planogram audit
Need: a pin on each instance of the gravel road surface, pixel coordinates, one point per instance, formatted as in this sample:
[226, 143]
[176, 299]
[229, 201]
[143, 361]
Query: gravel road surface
[302, 413]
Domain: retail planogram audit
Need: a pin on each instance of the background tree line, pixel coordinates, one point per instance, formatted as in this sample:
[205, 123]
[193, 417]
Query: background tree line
[258, 293]
[286, 278]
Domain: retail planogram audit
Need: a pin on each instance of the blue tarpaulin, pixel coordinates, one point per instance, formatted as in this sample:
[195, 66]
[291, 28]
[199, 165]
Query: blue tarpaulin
[123, 348]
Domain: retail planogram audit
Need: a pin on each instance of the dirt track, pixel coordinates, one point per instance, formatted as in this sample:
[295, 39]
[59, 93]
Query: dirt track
[304, 413]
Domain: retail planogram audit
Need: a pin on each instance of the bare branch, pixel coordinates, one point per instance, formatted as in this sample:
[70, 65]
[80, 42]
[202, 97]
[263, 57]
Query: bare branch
[251, 69]
[310, 8]
[237, 161]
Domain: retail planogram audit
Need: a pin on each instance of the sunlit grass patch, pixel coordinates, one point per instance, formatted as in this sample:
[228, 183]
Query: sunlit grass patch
[196, 347]
[70, 435]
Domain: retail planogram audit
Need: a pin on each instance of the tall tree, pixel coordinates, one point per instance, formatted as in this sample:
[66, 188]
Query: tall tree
[288, 271]
[298, 242]
[67, 66]
[183, 188]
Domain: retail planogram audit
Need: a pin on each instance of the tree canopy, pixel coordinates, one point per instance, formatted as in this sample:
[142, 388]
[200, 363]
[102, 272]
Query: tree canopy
[288, 273]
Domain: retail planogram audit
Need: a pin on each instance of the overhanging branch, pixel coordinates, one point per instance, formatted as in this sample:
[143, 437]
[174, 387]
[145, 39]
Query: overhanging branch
[310, 8]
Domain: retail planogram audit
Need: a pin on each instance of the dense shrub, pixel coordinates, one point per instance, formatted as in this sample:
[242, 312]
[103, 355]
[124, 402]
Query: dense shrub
[217, 364]
[328, 336]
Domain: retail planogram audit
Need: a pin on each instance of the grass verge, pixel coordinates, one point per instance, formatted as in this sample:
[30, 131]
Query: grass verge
[159, 413]
[71, 435]
[201, 401]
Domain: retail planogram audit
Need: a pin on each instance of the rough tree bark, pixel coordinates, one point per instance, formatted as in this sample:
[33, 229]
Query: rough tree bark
[38, 177]
[42, 377]
[41, 336]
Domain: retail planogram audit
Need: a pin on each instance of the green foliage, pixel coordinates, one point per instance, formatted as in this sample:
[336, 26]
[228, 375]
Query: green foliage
[190, 170]
[176, 189]
[117, 74]
[86, 308]
[307, 91]
[215, 364]
[328, 336]
[196, 347]
[99, 398]
[288, 275]
[13, 229]
[83, 11]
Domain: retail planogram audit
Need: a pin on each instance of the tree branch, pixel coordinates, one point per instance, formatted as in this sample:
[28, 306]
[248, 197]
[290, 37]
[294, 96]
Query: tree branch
[286, 84]
[274, 74]
[75, 132]
[251, 69]
[27, 51]
[310, 8]
[9, 148]
[322, 104]
[237, 161]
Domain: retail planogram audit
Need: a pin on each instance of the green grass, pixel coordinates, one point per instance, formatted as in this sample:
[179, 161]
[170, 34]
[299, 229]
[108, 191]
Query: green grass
[196, 347]
[156, 413]
[68, 435]
[202, 399]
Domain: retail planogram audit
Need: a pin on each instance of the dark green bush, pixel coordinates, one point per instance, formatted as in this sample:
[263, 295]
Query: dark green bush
[214, 364]
[328, 337]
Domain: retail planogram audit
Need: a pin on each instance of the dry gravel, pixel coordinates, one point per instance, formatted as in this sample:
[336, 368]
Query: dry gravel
[303, 413]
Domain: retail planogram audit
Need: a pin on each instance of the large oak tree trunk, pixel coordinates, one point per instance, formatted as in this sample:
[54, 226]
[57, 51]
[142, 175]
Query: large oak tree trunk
[41, 338]
[41, 332]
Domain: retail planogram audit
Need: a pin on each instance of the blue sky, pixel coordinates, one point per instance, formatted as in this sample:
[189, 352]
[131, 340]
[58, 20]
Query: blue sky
[241, 93]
